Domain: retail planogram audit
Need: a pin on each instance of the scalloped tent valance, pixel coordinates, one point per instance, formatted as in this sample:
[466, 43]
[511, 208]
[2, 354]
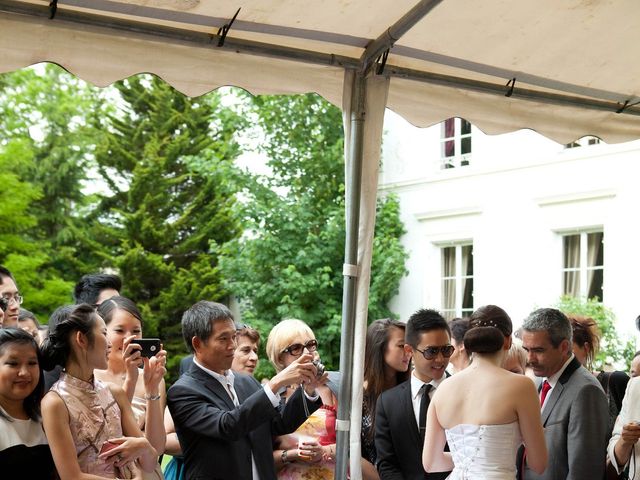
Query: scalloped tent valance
[573, 61]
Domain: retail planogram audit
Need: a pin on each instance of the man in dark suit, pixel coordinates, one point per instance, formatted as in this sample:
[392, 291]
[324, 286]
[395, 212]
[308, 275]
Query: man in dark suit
[575, 411]
[225, 421]
[401, 411]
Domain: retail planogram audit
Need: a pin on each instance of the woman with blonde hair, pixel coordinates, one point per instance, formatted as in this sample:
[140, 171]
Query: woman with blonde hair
[309, 452]
[515, 360]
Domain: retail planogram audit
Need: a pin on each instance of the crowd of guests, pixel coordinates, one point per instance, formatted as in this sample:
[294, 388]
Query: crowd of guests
[80, 398]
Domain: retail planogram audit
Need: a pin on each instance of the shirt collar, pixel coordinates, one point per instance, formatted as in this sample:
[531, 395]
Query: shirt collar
[225, 379]
[553, 379]
[416, 384]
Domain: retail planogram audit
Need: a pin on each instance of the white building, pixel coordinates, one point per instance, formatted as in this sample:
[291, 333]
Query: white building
[514, 220]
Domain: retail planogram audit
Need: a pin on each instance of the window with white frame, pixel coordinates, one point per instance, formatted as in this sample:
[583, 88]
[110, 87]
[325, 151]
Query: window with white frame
[583, 264]
[457, 281]
[455, 143]
[584, 142]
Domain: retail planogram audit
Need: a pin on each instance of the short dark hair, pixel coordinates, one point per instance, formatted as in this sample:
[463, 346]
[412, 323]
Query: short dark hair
[88, 289]
[5, 273]
[197, 320]
[552, 321]
[18, 336]
[424, 320]
[459, 327]
[25, 314]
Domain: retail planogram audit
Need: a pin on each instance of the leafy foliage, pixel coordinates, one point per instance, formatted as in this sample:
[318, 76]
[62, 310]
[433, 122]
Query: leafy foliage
[45, 152]
[613, 350]
[289, 265]
[168, 161]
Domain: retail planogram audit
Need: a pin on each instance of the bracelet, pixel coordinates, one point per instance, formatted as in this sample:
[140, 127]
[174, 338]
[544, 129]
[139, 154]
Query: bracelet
[151, 397]
[283, 457]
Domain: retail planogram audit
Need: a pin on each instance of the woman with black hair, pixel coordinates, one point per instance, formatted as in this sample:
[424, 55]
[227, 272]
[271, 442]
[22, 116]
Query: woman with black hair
[90, 425]
[386, 364]
[485, 412]
[23, 445]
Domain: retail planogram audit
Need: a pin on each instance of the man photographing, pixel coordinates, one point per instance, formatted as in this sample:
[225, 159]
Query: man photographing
[225, 421]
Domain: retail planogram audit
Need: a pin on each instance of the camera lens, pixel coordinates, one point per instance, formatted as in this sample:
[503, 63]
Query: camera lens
[319, 367]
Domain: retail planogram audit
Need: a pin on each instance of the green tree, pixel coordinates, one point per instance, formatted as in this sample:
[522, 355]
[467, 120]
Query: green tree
[46, 142]
[613, 349]
[289, 264]
[168, 161]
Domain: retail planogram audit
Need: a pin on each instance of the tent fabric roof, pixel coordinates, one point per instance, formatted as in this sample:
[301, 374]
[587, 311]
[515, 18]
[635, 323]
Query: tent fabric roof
[455, 61]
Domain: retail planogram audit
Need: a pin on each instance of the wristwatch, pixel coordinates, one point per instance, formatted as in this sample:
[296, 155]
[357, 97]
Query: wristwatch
[284, 456]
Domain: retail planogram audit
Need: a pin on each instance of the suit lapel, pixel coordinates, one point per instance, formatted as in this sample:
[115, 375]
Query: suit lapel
[213, 385]
[556, 392]
[409, 414]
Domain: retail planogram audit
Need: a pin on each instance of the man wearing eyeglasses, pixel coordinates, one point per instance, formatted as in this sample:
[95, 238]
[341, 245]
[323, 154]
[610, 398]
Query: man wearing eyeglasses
[401, 411]
[226, 421]
[9, 291]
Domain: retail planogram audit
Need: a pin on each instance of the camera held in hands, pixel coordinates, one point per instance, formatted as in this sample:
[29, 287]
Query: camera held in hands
[319, 367]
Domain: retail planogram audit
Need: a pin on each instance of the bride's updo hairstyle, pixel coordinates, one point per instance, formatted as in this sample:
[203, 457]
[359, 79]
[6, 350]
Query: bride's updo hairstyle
[488, 327]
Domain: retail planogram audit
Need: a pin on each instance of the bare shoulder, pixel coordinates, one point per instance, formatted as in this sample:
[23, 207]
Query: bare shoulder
[53, 404]
[521, 382]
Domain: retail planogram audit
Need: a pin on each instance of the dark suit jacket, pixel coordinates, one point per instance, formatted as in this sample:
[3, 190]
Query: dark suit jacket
[218, 438]
[398, 439]
[575, 418]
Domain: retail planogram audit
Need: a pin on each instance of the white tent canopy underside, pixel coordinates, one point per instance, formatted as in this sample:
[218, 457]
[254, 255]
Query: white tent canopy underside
[455, 61]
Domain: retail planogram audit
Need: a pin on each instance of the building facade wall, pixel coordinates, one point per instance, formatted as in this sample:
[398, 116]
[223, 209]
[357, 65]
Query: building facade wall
[520, 193]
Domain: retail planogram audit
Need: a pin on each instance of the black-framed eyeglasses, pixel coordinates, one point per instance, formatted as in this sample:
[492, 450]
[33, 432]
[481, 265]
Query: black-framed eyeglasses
[429, 353]
[296, 349]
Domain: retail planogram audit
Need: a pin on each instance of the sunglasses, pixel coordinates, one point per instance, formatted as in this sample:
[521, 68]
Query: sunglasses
[430, 353]
[296, 349]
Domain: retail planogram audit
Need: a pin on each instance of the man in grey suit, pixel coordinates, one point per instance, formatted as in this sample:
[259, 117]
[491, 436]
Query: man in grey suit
[575, 411]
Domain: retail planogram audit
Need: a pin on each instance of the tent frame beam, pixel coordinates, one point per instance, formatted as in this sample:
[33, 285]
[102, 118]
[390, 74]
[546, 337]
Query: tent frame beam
[395, 32]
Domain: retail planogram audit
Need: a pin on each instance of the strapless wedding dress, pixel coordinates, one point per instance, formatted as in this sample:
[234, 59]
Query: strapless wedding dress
[484, 452]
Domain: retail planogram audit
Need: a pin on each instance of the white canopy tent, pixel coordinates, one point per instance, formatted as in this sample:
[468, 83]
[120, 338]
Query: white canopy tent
[565, 68]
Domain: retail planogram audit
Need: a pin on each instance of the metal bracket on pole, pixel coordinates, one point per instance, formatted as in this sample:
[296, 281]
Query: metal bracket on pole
[222, 32]
[343, 425]
[626, 105]
[382, 61]
[349, 270]
[510, 86]
[53, 8]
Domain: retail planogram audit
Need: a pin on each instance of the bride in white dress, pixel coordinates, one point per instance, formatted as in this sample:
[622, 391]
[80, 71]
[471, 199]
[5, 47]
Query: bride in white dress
[485, 412]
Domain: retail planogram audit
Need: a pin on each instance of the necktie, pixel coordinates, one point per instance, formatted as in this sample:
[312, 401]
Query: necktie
[232, 394]
[424, 405]
[546, 386]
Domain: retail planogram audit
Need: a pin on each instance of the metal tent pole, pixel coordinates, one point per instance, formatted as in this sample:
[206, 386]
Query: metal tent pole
[350, 272]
